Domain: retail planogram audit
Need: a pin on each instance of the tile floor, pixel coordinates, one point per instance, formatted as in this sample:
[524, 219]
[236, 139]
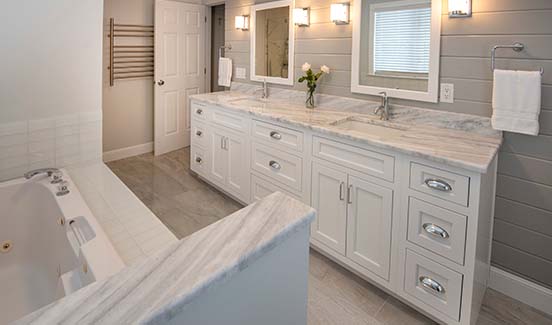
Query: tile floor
[185, 204]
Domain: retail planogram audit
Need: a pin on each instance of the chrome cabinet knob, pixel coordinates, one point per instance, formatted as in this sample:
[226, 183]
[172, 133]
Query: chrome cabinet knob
[275, 135]
[430, 284]
[274, 165]
[198, 160]
[435, 230]
[438, 184]
[199, 111]
[199, 133]
[161, 82]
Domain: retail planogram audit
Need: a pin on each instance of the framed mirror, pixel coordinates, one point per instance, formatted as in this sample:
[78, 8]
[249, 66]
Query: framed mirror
[272, 40]
[396, 48]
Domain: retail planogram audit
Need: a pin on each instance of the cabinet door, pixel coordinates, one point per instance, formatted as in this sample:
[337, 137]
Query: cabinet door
[238, 165]
[329, 199]
[218, 163]
[369, 225]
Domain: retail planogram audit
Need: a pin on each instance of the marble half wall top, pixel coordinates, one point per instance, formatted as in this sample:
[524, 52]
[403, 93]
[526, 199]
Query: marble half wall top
[157, 289]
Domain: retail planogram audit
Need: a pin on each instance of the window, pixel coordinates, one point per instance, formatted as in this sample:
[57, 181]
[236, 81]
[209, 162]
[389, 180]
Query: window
[401, 38]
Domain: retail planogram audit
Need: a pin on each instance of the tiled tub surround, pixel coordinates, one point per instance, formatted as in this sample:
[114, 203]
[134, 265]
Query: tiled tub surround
[163, 288]
[406, 204]
[58, 141]
[134, 231]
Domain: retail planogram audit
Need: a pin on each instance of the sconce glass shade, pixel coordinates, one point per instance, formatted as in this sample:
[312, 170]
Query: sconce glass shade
[339, 13]
[459, 8]
[301, 16]
[242, 22]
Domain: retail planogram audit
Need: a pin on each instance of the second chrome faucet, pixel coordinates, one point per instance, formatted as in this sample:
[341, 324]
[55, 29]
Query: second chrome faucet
[383, 109]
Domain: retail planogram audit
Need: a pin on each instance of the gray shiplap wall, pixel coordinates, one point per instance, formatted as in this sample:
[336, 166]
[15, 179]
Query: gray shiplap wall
[523, 226]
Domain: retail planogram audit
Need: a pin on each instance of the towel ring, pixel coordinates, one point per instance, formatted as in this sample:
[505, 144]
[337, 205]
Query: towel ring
[517, 47]
[224, 48]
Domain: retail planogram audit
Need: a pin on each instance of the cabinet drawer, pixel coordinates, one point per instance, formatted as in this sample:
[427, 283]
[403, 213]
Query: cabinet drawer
[278, 165]
[199, 111]
[198, 161]
[433, 284]
[232, 121]
[199, 135]
[277, 135]
[440, 183]
[366, 161]
[436, 229]
[261, 188]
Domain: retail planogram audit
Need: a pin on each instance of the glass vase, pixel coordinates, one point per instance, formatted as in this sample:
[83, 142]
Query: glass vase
[309, 103]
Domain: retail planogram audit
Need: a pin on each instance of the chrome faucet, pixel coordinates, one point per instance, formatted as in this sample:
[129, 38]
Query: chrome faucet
[54, 173]
[264, 94]
[383, 109]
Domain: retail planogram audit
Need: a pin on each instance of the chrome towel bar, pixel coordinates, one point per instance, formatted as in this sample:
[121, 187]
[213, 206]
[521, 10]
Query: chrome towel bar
[517, 47]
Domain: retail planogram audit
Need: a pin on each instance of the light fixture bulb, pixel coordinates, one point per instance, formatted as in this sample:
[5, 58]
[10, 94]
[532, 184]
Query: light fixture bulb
[301, 16]
[242, 22]
[459, 8]
[339, 13]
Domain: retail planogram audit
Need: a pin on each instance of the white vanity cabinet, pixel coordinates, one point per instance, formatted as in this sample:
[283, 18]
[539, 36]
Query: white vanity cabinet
[354, 217]
[419, 229]
[222, 142]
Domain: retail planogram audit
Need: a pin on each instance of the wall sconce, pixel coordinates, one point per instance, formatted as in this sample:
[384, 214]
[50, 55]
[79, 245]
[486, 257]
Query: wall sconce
[301, 17]
[339, 13]
[459, 8]
[242, 22]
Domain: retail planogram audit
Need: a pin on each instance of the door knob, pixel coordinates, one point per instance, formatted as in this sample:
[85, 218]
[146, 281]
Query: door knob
[161, 82]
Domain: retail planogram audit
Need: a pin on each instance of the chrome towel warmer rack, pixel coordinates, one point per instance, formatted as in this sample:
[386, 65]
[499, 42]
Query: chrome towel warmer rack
[517, 47]
[130, 61]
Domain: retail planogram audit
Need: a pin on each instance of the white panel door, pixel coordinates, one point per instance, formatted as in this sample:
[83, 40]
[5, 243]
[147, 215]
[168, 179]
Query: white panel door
[218, 164]
[369, 225]
[238, 166]
[329, 199]
[179, 70]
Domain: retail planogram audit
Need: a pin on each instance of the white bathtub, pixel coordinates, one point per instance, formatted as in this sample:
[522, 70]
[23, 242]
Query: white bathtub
[50, 246]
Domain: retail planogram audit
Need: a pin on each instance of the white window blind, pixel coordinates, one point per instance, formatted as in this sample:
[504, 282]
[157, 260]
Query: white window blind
[401, 40]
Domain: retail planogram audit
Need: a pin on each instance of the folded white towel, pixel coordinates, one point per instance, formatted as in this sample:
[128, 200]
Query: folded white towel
[225, 72]
[516, 101]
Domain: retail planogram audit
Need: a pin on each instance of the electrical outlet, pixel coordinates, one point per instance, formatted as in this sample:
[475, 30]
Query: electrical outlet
[447, 93]
[240, 73]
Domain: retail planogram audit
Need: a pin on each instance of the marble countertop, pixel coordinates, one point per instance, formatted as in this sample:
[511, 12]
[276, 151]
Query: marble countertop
[155, 290]
[458, 140]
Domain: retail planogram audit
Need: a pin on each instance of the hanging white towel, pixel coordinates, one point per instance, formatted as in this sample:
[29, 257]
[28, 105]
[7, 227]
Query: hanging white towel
[516, 101]
[225, 72]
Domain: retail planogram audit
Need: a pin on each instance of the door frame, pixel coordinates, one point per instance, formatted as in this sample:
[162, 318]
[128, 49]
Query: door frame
[208, 31]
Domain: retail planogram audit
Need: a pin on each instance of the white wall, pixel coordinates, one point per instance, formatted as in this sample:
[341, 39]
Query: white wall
[128, 105]
[50, 88]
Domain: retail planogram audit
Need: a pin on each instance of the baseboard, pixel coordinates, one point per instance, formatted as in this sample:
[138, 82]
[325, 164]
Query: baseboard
[127, 152]
[521, 289]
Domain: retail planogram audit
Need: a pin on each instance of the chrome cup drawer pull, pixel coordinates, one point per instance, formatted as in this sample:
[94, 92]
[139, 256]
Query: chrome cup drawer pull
[429, 283]
[435, 230]
[198, 160]
[199, 111]
[275, 135]
[199, 133]
[274, 165]
[438, 184]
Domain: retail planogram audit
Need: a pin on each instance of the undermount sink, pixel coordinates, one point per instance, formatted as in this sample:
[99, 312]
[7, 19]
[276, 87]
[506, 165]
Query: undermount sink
[377, 128]
[262, 103]
[250, 101]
